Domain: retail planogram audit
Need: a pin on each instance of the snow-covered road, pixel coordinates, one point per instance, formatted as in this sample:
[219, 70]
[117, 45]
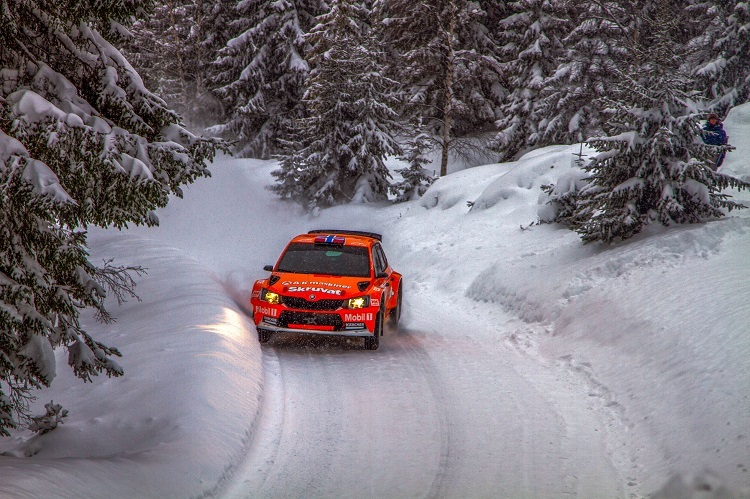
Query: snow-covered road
[453, 412]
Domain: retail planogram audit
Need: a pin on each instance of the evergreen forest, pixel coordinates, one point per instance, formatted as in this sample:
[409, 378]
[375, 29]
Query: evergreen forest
[109, 108]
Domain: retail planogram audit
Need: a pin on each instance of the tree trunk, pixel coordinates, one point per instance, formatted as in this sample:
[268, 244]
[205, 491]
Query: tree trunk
[448, 96]
[173, 6]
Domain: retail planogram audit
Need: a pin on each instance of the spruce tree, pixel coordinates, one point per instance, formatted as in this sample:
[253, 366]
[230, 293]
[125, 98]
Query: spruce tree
[213, 40]
[735, 50]
[416, 178]
[261, 72]
[562, 205]
[651, 167]
[173, 48]
[531, 37]
[722, 69]
[592, 49]
[82, 142]
[444, 54]
[337, 154]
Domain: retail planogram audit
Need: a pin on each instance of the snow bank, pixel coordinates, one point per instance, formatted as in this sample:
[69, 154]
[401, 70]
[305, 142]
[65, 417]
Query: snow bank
[180, 416]
[657, 326]
[737, 126]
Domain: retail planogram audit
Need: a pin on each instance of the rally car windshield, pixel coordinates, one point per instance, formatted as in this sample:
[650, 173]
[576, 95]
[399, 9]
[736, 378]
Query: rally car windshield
[304, 258]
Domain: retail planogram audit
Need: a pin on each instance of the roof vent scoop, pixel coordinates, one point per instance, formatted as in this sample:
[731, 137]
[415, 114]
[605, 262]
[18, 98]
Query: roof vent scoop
[363, 285]
[374, 235]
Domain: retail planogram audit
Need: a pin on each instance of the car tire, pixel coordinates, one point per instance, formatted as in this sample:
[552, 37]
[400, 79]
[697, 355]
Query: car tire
[395, 314]
[264, 335]
[373, 342]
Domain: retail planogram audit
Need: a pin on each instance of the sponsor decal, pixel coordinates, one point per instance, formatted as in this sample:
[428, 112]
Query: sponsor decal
[365, 316]
[271, 321]
[266, 311]
[314, 283]
[354, 325]
[256, 294]
[375, 302]
[305, 289]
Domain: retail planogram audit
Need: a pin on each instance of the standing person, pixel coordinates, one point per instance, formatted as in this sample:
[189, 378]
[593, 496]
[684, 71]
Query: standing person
[714, 134]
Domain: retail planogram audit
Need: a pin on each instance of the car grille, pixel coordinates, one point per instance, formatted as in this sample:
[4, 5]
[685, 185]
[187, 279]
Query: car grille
[302, 304]
[310, 319]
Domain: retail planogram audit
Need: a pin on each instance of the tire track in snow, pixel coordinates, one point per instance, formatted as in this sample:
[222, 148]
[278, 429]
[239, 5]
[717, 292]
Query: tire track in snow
[517, 428]
[338, 420]
[430, 414]
[265, 440]
[437, 388]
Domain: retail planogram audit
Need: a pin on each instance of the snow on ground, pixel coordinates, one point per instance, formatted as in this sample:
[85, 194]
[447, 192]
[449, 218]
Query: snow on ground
[176, 420]
[654, 330]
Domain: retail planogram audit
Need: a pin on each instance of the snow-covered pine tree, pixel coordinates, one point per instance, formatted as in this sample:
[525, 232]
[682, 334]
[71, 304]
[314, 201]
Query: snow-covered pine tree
[82, 142]
[339, 152]
[416, 178]
[561, 207]
[709, 19]
[706, 20]
[568, 96]
[171, 48]
[531, 37]
[214, 35]
[735, 49]
[156, 49]
[443, 52]
[652, 166]
[722, 68]
[262, 71]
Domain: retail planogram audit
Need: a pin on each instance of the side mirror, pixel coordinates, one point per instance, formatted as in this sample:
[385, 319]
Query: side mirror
[268, 268]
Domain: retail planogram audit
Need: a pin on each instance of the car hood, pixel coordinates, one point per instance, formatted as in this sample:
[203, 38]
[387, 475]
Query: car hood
[317, 287]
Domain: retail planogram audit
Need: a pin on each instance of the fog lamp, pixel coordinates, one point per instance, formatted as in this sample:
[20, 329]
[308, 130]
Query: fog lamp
[359, 302]
[270, 297]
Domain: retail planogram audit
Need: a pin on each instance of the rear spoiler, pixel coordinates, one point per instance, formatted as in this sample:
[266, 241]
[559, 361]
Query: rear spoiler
[348, 232]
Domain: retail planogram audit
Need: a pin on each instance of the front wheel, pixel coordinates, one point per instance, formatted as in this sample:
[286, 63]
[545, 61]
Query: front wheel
[373, 342]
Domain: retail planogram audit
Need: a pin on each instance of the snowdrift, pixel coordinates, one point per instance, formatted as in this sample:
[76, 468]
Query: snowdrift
[180, 416]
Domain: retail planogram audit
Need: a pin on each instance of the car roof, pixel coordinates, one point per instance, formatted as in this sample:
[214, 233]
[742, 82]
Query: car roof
[372, 235]
[350, 238]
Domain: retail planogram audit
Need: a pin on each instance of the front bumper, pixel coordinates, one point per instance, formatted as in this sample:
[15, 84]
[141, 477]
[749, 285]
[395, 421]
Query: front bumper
[344, 332]
[361, 322]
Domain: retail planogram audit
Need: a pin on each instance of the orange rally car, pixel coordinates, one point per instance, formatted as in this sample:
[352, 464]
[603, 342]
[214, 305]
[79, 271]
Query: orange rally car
[329, 282]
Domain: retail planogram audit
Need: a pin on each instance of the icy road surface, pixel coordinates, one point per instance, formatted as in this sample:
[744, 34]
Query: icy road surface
[456, 412]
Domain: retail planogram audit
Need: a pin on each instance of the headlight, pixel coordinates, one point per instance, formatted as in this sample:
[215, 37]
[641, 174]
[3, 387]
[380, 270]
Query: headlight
[270, 297]
[359, 302]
